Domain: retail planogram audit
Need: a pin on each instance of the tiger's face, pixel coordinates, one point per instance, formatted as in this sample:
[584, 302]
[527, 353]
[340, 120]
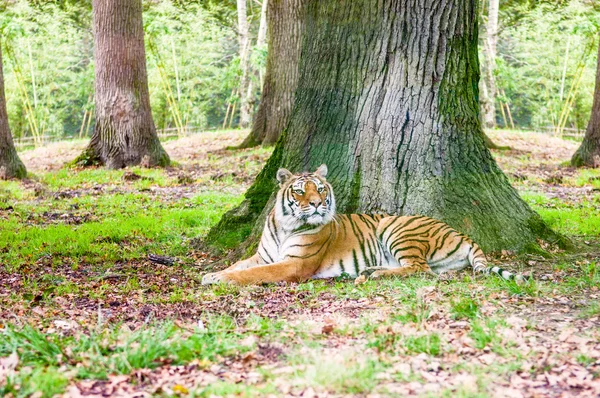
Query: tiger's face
[304, 198]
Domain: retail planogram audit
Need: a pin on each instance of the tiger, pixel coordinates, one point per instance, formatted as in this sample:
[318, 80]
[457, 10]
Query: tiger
[303, 238]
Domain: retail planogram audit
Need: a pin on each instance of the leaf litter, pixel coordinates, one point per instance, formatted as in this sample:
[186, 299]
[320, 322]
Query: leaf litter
[516, 345]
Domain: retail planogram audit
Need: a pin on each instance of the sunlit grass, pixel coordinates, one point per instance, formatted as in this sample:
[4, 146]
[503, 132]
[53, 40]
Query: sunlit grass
[568, 218]
[125, 227]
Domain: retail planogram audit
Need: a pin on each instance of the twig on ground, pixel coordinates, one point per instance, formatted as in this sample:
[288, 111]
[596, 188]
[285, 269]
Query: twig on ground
[164, 260]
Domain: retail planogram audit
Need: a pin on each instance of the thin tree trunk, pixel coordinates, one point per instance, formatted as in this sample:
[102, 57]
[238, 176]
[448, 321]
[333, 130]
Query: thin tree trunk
[387, 98]
[286, 26]
[244, 44]
[10, 164]
[261, 39]
[124, 133]
[588, 153]
[488, 103]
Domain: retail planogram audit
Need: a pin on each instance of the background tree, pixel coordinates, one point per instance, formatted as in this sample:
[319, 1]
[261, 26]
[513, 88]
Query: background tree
[124, 133]
[588, 153]
[285, 28]
[487, 81]
[530, 65]
[10, 164]
[245, 85]
[387, 98]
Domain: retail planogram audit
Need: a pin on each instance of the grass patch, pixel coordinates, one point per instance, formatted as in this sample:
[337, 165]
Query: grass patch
[343, 374]
[483, 333]
[591, 310]
[568, 218]
[464, 308]
[114, 351]
[127, 227]
[46, 381]
[429, 344]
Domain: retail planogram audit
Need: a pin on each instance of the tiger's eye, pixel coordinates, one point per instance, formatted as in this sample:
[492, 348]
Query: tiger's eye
[321, 189]
[298, 192]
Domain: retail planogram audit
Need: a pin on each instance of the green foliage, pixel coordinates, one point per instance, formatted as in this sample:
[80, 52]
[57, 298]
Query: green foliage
[191, 51]
[57, 84]
[531, 58]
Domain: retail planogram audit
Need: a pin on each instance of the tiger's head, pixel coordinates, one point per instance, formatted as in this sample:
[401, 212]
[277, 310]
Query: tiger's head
[304, 198]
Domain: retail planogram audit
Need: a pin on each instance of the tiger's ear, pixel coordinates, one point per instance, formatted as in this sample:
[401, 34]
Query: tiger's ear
[283, 175]
[322, 171]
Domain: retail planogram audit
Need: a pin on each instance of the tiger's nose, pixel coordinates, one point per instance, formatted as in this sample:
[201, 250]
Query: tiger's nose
[316, 203]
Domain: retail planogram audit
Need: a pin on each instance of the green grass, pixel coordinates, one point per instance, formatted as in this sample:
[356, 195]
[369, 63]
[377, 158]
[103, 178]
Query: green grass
[85, 178]
[346, 373]
[591, 310]
[581, 219]
[587, 177]
[429, 344]
[464, 308]
[127, 226]
[113, 351]
[483, 333]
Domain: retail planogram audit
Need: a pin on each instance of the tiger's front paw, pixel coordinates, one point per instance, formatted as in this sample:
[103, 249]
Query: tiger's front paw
[379, 274]
[215, 277]
[368, 272]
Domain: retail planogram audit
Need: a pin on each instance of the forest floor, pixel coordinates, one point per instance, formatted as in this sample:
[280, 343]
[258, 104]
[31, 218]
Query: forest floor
[84, 313]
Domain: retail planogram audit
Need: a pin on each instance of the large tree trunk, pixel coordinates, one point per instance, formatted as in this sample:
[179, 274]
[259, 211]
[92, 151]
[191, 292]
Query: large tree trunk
[588, 153]
[10, 164]
[387, 98]
[244, 44]
[286, 25]
[124, 133]
[488, 83]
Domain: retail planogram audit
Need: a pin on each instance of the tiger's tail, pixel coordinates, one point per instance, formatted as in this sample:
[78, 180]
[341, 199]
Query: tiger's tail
[480, 265]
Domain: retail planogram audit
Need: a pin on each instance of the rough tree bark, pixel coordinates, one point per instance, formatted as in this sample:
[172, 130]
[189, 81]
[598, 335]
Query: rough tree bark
[244, 44]
[124, 133]
[10, 164]
[488, 94]
[588, 153]
[285, 28]
[387, 98]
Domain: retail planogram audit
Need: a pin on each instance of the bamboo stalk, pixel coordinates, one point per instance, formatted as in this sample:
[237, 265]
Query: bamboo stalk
[570, 103]
[564, 73]
[503, 114]
[564, 114]
[33, 85]
[228, 108]
[167, 88]
[562, 120]
[85, 115]
[176, 70]
[89, 122]
[232, 113]
[21, 85]
[226, 115]
[512, 124]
